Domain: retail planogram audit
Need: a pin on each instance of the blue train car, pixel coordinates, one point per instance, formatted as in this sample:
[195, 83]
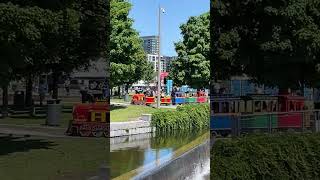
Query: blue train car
[224, 113]
[179, 98]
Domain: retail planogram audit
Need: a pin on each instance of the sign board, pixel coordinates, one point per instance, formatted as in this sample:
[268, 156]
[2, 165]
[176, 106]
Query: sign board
[169, 86]
[163, 75]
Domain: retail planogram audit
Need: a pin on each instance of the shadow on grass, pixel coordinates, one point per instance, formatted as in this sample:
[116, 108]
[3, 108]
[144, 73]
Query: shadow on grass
[115, 107]
[11, 144]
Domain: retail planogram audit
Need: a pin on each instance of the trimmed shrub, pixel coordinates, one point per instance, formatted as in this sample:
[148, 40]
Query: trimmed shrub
[186, 117]
[279, 156]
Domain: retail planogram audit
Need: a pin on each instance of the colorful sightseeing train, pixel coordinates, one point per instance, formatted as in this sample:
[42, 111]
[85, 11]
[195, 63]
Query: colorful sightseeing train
[178, 98]
[90, 119]
[258, 112]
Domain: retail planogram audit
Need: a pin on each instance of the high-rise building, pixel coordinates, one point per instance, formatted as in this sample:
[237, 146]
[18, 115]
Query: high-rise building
[168, 60]
[151, 44]
[153, 58]
[165, 62]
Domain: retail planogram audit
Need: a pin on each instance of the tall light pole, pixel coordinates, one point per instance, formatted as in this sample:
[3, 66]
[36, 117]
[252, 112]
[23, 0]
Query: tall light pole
[159, 60]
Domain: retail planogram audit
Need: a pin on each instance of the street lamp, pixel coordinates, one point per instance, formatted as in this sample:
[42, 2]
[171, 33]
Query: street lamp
[159, 58]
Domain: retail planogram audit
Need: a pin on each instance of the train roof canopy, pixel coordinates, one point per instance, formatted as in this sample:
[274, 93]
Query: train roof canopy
[224, 97]
[292, 97]
[259, 97]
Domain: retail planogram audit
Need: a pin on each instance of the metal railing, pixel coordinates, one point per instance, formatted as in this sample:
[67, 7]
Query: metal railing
[297, 121]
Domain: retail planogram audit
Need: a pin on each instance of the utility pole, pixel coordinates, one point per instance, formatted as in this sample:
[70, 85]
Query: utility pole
[159, 60]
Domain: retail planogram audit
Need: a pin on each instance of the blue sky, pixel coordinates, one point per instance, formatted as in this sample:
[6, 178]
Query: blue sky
[145, 15]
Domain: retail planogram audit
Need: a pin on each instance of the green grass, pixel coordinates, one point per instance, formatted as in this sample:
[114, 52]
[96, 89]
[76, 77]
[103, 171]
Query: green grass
[28, 120]
[117, 100]
[131, 112]
[51, 158]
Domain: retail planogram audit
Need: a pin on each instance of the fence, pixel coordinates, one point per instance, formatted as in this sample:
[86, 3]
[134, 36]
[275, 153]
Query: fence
[298, 121]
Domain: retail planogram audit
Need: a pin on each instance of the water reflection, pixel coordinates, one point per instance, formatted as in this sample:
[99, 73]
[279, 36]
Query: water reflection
[145, 151]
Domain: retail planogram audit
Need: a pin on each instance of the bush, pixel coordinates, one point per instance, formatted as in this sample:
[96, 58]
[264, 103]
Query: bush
[186, 117]
[280, 156]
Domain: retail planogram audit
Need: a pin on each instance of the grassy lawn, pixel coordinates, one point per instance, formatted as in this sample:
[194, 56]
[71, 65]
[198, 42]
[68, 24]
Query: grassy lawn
[28, 120]
[119, 100]
[51, 158]
[131, 112]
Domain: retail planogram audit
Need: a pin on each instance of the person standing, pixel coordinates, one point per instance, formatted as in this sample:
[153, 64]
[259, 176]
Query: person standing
[42, 91]
[67, 86]
[173, 95]
[84, 93]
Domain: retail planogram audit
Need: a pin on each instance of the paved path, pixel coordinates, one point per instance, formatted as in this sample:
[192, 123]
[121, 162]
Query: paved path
[120, 104]
[22, 130]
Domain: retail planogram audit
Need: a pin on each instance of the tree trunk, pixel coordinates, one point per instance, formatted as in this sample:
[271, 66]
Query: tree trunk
[55, 78]
[28, 98]
[5, 101]
[126, 89]
[119, 92]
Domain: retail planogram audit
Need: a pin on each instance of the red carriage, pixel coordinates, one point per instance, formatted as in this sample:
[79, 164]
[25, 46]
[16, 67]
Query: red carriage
[292, 104]
[201, 97]
[138, 99]
[90, 120]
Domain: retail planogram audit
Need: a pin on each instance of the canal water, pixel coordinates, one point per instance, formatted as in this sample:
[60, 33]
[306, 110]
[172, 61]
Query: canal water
[159, 156]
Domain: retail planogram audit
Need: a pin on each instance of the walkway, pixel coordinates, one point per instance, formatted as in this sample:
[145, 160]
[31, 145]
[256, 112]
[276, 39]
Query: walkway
[40, 131]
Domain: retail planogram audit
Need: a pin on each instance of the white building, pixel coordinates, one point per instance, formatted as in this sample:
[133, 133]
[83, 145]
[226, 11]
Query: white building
[165, 62]
[154, 60]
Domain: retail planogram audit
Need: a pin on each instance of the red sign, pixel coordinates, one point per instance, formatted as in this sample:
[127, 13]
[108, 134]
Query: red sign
[164, 74]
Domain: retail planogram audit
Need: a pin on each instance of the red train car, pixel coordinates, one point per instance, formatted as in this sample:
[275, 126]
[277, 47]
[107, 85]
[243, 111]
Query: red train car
[138, 99]
[150, 100]
[166, 100]
[90, 120]
[290, 103]
[201, 97]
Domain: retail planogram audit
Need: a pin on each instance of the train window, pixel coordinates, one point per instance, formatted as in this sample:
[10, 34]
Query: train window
[291, 106]
[242, 106]
[249, 106]
[225, 107]
[257, 106]
[270, 105]
[298, 107]
[274, 106]
[264, 106]
[232, 107]
[215, 107]
[237, 106]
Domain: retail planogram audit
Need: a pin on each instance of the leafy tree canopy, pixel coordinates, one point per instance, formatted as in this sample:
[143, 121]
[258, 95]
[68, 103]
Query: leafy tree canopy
[192, 67]
[127, 57]
[277, 42]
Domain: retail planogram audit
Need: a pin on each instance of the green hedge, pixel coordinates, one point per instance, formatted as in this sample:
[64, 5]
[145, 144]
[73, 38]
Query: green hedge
[186, 117]
[280, 156]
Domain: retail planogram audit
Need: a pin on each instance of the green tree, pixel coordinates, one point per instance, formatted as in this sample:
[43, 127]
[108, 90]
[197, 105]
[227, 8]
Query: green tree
[192, 67]
[21, 40]
[276, 42]
[70, 35]
[127, 57]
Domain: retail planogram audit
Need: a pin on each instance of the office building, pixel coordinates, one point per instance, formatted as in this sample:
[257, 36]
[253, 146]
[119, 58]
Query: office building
[151, 44]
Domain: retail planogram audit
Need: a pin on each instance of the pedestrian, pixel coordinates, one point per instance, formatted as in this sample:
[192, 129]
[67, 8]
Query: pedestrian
[42, 91]
[173, 94]
[67, 86]
[84, 93]
[162, 94]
